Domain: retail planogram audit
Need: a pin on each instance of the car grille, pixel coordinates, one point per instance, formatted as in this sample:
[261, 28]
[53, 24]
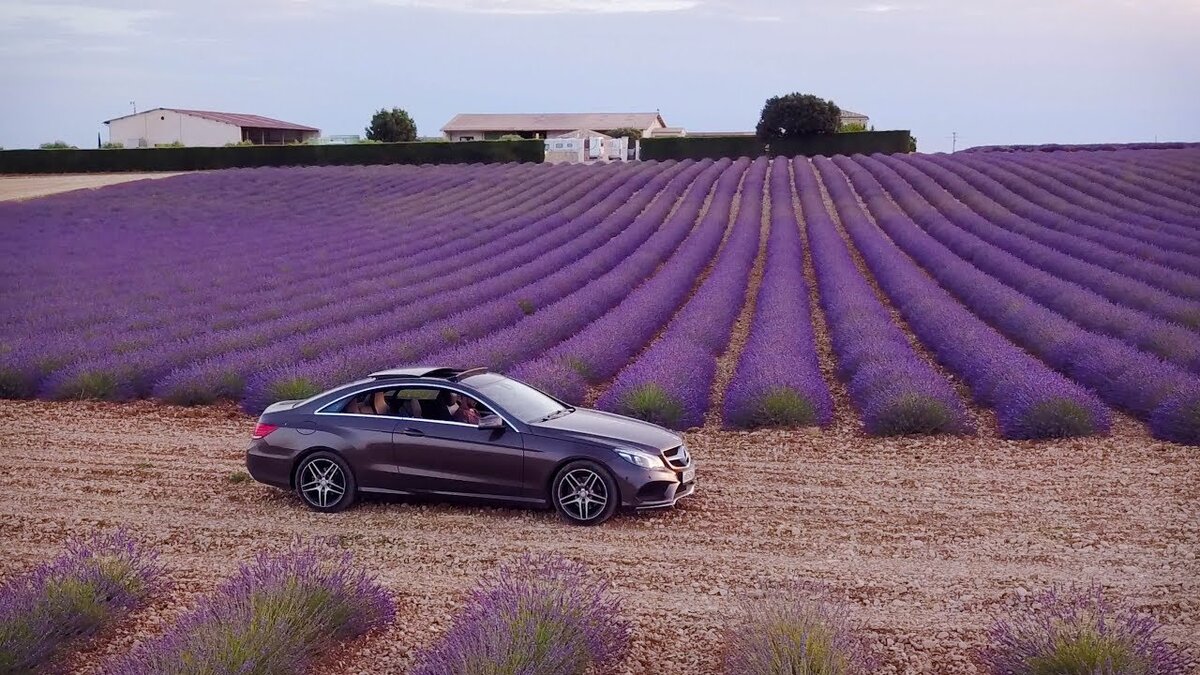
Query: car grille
[677, 457]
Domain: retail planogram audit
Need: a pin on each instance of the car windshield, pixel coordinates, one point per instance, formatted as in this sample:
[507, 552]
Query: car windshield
[521, 400]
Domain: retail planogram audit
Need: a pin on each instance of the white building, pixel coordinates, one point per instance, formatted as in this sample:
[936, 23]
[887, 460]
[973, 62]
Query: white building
[164, 126]
[491, 126]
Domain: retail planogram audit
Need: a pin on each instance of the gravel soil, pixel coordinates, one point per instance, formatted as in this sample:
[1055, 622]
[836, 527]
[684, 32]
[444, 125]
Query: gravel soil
[27, 187]
[926, 539]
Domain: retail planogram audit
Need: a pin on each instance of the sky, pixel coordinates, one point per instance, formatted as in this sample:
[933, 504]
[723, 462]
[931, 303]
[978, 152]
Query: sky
[988, 71]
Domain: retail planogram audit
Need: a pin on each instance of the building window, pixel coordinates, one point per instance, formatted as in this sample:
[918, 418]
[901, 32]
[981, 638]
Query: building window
[466, 138]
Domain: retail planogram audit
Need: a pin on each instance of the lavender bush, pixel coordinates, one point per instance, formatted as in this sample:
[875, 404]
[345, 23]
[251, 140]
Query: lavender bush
[1069, 257]
[670, 382]
[795, 635]
[598, 351]
[1075, 631]
[778, 380]
[895, 392]
[274, 616]
[540, 615]
[55, 606]
[1089, 218]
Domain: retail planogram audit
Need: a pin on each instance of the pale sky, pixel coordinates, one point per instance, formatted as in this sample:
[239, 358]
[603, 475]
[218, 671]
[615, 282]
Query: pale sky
[1012, 71]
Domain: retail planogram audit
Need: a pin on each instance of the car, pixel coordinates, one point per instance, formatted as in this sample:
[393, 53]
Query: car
[450, 433]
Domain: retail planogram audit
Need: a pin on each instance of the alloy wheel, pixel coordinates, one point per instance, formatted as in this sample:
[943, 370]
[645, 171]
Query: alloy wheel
[582, 494]
[322, 482]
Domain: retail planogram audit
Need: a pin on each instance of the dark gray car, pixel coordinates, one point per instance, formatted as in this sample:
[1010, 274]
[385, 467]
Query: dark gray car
[473, 433]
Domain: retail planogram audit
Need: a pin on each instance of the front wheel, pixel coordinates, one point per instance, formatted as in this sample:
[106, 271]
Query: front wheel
[325, 483]
[584, 493]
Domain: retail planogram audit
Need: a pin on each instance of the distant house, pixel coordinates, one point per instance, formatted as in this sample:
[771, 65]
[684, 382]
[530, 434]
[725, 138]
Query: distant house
[851, 117]
[162, 126]
[491, 126]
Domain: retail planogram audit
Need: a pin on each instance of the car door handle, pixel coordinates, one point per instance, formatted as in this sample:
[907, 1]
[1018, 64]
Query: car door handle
[413, 432]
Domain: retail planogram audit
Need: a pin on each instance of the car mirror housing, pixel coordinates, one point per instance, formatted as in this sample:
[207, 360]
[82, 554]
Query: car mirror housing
[491, 422]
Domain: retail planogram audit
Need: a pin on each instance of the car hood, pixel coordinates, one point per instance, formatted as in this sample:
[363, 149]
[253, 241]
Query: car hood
[607, 428]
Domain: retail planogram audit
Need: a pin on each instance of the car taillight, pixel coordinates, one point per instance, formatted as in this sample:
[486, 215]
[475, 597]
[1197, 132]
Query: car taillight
[262, 430]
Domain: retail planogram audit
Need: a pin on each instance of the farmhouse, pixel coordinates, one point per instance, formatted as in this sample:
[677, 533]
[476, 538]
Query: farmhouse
[203, 128]
[491, 126]
[851, 117]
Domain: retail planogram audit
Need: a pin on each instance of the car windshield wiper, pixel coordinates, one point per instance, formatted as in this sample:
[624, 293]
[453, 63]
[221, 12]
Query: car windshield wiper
[556, 413]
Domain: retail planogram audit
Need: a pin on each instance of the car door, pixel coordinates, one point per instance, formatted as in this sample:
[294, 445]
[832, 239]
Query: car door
[453, 458]
[366, 443]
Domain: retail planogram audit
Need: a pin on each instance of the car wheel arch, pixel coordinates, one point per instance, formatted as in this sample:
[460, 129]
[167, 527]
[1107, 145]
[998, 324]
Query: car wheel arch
[312, 451]
[558, 466]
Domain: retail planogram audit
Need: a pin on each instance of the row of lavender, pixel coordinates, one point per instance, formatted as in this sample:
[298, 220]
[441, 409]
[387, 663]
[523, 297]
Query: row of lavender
[621, 286]
[539, 615]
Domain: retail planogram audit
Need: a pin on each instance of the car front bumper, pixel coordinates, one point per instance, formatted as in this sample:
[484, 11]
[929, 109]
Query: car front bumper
[655, 488]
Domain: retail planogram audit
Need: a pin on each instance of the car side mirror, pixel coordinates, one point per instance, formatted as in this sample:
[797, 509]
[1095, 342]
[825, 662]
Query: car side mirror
[491, 422]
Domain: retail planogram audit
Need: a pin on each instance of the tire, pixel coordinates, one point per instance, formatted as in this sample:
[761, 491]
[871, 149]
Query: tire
[336, 474]
[576, 489]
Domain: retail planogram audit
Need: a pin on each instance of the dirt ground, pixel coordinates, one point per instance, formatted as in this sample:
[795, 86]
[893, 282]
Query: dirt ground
[27, 187]
[926, 539]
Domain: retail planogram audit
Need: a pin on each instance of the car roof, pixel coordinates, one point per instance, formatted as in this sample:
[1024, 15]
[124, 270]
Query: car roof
[440, 372]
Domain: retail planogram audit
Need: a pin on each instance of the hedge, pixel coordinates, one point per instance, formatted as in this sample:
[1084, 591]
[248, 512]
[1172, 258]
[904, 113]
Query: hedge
[198, 158]
[715, 147]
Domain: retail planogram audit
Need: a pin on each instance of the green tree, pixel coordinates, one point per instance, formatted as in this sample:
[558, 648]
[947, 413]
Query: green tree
[391, 126]
[912, 143]
[57, 145]
[797, 115]
[626, 132]
[852, 127]
[511, 137]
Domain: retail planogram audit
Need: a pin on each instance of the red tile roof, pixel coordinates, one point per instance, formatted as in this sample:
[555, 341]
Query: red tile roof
[236, 119]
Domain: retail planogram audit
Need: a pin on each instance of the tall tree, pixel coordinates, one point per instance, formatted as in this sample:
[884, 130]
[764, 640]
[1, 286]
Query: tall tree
[391, 126]
[797, 115]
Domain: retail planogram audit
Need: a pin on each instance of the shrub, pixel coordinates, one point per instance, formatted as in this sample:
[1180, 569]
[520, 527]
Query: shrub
[540, 615]
[562, 378]
[652, 403]
[112, 145]
[1178, 418]
[852, 127]
[797, 114]
[57, 145]
[172, 144]
[56, 605]
[274, 616]
[1074, 631]
[793, 635]
[295, 388]
[391, 126]
[781, 407]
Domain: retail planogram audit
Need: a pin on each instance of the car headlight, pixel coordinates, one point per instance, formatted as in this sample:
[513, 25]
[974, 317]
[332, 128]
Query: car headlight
[641, 459]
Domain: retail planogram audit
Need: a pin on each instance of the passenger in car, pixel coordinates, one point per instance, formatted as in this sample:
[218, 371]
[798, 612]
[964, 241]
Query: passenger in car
[379, 403]
[466, 412]
[439, 408]
[408, 407]
[360, 405]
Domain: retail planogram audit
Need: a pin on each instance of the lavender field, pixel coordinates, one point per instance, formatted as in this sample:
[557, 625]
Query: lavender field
[1053, 289]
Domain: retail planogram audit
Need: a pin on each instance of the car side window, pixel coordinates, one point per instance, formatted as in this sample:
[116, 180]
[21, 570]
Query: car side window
[439, 404]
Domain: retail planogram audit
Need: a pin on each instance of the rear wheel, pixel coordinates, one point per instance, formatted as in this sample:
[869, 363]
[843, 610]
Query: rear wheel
[584, 493]
[325, 483]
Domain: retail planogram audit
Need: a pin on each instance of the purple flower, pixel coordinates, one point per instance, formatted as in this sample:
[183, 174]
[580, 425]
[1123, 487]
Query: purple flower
[55, 606]
[539, 615]
[274, 616]
[801, 630]
[1071, 630]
